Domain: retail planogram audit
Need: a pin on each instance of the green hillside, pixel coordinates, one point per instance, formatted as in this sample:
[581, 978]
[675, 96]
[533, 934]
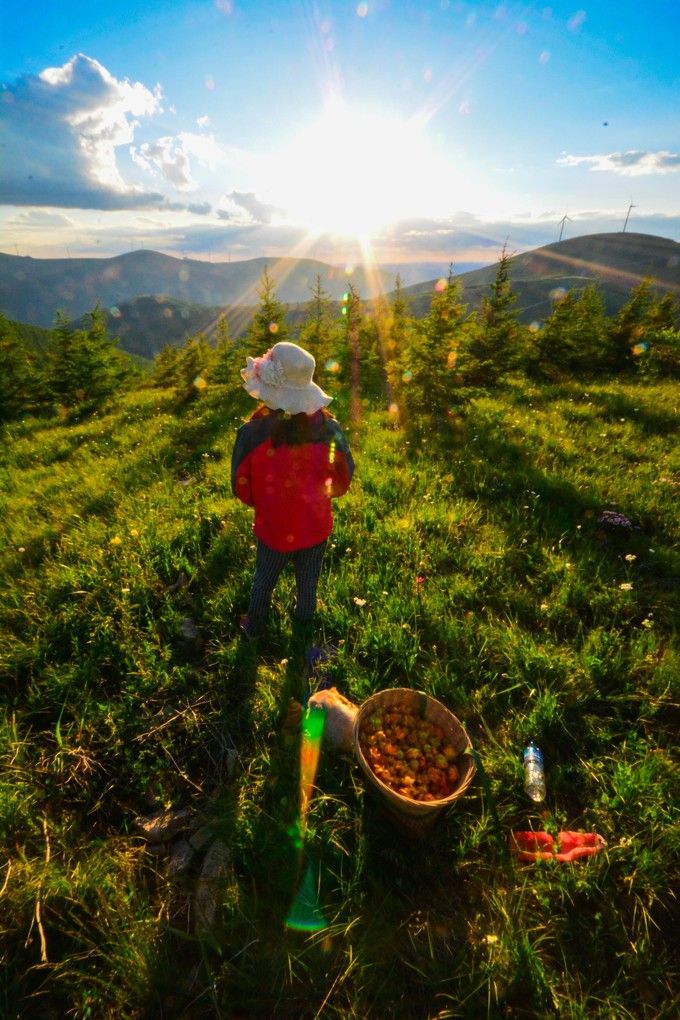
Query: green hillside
[34, 290]
[477, 560]
[616, 263]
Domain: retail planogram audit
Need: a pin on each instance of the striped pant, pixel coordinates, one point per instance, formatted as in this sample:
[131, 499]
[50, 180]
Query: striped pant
[268, 566]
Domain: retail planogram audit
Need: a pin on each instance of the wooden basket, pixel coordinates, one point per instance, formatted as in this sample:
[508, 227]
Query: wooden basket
[415, 817]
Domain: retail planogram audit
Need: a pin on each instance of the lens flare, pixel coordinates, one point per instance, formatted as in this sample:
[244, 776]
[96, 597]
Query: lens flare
[305, 913]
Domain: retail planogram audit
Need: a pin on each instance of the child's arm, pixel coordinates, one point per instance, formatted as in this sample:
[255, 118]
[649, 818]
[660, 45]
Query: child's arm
[340, 461]
[241, 483]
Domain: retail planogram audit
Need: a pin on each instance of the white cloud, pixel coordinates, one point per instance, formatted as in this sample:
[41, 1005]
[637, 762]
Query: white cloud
[171, 157]
[61, 130]
[37, 218]
[167, 156]
[632, 163]
[235, 204]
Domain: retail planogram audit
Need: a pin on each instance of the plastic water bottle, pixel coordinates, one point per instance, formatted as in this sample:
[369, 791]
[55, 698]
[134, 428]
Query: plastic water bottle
[534, 776]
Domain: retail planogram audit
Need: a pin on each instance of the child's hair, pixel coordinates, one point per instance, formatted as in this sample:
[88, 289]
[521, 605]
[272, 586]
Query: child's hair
[298, 429]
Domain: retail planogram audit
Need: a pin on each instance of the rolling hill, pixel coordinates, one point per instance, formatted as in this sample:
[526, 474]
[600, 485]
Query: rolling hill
[615, 262]
[33, 290]
[152, 300]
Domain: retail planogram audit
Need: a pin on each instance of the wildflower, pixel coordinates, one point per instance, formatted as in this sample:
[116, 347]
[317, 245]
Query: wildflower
[134, 533]
[116, 540]
[626, 586]
[359, 602]
[647, 623]
[629, 557]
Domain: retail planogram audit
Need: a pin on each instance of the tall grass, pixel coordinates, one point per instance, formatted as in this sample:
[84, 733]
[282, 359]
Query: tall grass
[475, 566]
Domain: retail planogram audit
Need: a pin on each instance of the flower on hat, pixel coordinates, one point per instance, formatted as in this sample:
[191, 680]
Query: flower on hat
[272, 373]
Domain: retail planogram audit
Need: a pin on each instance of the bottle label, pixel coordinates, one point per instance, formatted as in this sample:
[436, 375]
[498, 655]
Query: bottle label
[533, 754]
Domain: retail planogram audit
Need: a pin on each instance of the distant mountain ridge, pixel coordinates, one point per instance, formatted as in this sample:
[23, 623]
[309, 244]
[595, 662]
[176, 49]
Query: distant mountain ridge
[152, 300]
[33, 290]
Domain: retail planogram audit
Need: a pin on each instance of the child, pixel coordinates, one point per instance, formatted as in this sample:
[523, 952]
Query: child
[290, 458]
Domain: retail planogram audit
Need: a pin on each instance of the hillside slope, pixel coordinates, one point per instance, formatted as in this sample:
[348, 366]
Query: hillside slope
[616, 262]
[33, 290]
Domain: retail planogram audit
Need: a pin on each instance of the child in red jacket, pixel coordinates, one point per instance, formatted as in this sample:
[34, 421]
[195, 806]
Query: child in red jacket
[290, 459]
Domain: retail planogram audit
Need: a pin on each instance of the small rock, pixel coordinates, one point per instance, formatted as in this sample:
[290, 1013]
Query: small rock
[181, 857]
[209, 886]
[162, 827]
[189, 629]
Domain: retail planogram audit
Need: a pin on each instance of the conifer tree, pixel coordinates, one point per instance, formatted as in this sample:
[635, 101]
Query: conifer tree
[193, 367]
[228, 356]
[268, 325]
[84, 365]
[319, 332]
[496, 347]
[628, 328]
[573, 337]
[399, 325]
[18, 375]
[429, 359]
[165, 371]
[349, 360]
[372, 328]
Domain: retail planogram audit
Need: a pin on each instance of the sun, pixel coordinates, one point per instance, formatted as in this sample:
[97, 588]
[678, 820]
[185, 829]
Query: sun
[355, 171]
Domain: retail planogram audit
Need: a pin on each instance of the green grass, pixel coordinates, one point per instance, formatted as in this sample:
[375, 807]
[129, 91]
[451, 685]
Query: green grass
[471, 566]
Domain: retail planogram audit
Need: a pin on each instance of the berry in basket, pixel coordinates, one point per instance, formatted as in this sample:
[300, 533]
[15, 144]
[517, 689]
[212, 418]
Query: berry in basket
[409, 754]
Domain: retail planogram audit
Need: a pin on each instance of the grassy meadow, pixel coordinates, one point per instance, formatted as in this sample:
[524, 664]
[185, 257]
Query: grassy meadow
[474, 566]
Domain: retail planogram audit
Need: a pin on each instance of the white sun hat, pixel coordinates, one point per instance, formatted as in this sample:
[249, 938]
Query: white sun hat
[282, 379]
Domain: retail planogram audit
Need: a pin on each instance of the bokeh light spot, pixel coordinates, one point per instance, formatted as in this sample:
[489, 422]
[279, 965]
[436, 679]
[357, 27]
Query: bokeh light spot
[558, 294]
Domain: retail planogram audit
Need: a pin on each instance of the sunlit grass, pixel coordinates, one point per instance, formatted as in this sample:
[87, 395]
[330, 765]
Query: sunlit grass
[474, 567]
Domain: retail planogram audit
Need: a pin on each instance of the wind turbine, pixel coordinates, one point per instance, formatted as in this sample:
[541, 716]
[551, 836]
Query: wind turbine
[631, 206]
[562, 222]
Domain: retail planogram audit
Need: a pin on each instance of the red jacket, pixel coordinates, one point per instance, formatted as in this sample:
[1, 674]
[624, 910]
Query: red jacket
[288, 469]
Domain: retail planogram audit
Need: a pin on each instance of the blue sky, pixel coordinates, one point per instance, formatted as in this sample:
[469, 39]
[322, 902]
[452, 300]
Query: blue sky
[431, 130]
